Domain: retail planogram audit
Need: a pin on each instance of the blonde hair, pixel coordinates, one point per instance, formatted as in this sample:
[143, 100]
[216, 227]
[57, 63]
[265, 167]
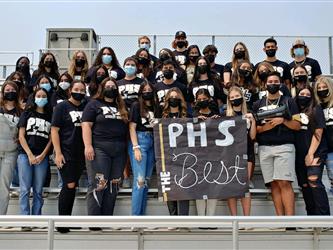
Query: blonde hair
[230, 111]
[71, 68]
[143, 37]
[306, 51]
[329, 83]
[166, 108]
[256, 78]
[234, 60]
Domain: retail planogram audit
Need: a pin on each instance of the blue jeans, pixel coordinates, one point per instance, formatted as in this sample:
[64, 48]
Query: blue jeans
[329, 168]
[31, 176]
[142, 171]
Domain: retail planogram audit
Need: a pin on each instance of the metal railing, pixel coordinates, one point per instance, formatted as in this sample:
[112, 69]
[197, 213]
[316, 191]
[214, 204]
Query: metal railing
[143, 222]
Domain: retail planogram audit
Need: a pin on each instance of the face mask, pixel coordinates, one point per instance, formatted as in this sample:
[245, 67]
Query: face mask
[236, 102]
[240, 54]
[271, 52]
[64, 85]
[211, 58]
[181, 44]
[46, 86]
[48, 64]
[174, 102]
[322, 93]
[100, 79]
[10, 96]
[41, 102]
[263, 76]
[110, 93]
[148, 96]
[202, 104]
[80, 62]
[106, 59]
[273, 88]
[193, 59]
[145, 46]
[78, 96]
[168, 74]
[164, 57]
[23, 67]
[130, 70]
[303, 101]
[202, 69]
[300, 78]
[299, 52]
[143, 61]
[245, 73]
[18, 83]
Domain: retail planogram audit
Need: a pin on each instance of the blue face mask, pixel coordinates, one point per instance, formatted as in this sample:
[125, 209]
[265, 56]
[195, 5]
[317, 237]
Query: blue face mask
[145, 46]
[130, 70]
[41, 102]
[299, 52]
[46, 86]
[106, 59]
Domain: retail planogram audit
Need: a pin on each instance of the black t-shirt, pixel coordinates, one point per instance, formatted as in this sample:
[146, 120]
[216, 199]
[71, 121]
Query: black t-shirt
[280, 134]
[179, 75]
[107, 122]
[12, 115]
[37, 130]
[250, 96]
[67, 117]
[58, 97]
[304, 136]
[212, 87]
[162, 89]
[328, 113]
[228, 68]
[142, 123]
[180, 57]
[129, 90]
[213, 112]
[312, 67]
[282, 67]
[218, 69]
[283, 90]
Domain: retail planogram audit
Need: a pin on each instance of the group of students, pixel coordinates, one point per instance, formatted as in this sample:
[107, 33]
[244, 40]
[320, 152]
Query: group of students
[101, 119]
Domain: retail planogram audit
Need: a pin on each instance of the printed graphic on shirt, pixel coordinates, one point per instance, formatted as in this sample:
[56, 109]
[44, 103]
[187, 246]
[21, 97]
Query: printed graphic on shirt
[328, 113]
[181, 59]
[12, 118]
[278, 69]
[160, 77]
[247, 94]
[149, 121]
[110, 112]
[76, 117]
[129, 90]
[304, 121]
[38, 127]
[161, 95]
[210, 89]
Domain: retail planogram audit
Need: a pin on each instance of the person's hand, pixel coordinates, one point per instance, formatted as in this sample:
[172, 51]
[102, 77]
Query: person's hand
[309, 160]
[39, 158]
[215, 116]
[32, 159]
[59, 160]
[137, 154]
[249, 116]
[276, 121]
[202, 117]
[89, 153]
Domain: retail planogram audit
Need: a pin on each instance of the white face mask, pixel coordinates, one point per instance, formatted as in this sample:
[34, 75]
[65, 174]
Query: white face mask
[64, 85]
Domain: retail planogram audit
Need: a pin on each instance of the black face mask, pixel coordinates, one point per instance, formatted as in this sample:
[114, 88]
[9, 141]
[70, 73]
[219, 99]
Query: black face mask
[143, 61]
[18, 83]
[202, 69]
[202, 104]
[181, 44]
[100, 79]
[271, 52]
[210, 58]
[322, 93]
[193, 59]
[147, 96]
[49, 64]
[23, 67]
[240, 54]
[164, 57]
[80, 63]
[111, 93]
[263, 76]
[78, 96]
[10, 96]
[246, 74]
[300, 78]
[303, 101]
[236, 102]
[168, 74]
[273, 88]
[174, 102]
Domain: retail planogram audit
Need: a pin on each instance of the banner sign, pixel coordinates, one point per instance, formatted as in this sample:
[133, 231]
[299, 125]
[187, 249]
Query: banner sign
[201, 159]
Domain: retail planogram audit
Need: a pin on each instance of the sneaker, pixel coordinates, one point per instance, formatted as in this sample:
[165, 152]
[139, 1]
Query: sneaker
[126, 183]
[26, 229]
[14, 194]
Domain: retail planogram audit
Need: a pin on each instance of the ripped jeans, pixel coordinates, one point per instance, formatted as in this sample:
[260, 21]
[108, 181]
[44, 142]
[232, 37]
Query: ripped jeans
[142, 171]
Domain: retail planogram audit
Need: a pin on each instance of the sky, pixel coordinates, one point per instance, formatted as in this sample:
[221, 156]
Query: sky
[24, 23]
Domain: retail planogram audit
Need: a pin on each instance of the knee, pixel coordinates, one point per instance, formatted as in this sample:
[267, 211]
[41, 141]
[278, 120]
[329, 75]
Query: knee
[284, 184]
[140, 182]
[71, 185]
[313, 181]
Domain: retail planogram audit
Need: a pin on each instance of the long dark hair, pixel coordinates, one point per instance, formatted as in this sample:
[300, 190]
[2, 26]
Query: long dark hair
[93, 85]
[114, 62]
[26, 72]
[196, 75]
[41, 65]
[22, 92]
[143, 107]
[48, 78]
[2, 101]
[146, 69]
[32, 106]
[187, 53]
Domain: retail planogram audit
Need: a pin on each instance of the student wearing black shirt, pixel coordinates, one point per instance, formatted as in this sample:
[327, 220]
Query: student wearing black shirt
[78, 66]
[35, 144]
[210, 51]
[67, 141]
[180, 45]
[300, 79]
[105, 131]
[62, 90]
[323, 92]
[162, 88]
[145, 68]
[237, 106]
[99, 73]
[145, 43]
[270, 48]
[311, 152]
[175, 107]
[300, 51]
[141, 148]
[276, 140]
[23, 66]
[192, 55]
[9, 115]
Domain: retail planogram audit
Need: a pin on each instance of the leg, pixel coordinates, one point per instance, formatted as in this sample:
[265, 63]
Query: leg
[183, 207]
[201, 207]
[25, 176]
[39, 178]
[246, 204]
[287, 196]
[172, 207]
[232, 204]
[277, 199]
[329, 168]
[211, 207]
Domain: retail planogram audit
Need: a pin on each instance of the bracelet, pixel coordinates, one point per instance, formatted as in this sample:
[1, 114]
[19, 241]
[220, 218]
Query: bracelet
[137, 146]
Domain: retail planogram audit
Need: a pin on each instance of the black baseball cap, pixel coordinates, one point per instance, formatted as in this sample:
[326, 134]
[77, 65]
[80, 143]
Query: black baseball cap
[180, 34]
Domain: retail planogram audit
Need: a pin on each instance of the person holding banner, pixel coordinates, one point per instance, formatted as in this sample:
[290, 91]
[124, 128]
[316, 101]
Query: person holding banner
[237, 105]
[141, 147]
[278, 120]
[175, 107]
